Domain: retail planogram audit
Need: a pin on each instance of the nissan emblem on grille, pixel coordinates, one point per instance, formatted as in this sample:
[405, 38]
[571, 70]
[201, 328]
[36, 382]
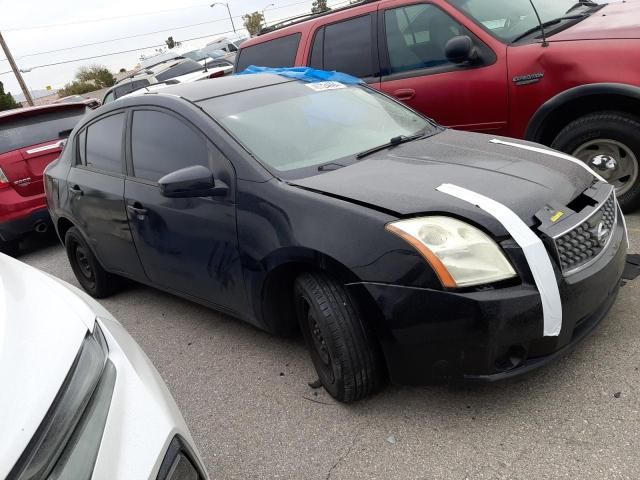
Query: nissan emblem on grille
[584, 243]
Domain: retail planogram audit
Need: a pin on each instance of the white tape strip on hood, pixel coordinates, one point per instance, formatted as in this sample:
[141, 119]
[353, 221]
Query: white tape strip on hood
[552, 153]
[533, 248]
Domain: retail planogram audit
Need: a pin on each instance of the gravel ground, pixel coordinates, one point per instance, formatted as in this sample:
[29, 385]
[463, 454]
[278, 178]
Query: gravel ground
[244, 394]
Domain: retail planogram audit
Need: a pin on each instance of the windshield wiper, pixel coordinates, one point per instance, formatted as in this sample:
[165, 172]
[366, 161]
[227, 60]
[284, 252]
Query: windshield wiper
[546, 24]
[400, 139]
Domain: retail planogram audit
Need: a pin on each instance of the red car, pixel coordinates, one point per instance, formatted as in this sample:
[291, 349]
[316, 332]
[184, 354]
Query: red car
[30, 139]
[566, 76]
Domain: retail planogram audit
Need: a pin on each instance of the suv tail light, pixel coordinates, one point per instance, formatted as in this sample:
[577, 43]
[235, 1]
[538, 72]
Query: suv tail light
[4, 181]
[217, 74]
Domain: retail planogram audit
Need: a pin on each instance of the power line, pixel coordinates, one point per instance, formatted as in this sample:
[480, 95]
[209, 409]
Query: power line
[150, 46]
[143, 34]
[78, 22]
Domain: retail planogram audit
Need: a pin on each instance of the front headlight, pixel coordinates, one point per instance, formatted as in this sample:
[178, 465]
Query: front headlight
[460, 254]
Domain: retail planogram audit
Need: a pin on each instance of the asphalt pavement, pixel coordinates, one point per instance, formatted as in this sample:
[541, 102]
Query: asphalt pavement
[246, 399]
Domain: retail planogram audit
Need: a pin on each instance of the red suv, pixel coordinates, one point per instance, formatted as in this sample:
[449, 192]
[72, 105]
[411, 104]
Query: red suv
[567, 76]
[30, 139]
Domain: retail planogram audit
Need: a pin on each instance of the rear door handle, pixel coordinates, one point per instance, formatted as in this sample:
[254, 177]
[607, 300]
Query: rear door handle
[137, 209]
[76, 190]
[405, 94]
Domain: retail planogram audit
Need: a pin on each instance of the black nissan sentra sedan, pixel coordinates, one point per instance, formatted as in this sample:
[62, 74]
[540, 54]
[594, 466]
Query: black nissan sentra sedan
[402, 250]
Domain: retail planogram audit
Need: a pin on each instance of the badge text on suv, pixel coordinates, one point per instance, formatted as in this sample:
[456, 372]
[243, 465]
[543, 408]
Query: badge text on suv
[482, 65]
[397, 246]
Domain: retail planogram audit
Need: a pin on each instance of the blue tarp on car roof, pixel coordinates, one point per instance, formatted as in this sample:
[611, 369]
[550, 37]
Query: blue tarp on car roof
[305, 74]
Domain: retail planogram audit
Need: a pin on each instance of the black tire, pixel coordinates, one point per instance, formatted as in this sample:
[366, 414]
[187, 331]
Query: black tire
[617, 126]
[11, 247]
[341, 345]
[92, 277]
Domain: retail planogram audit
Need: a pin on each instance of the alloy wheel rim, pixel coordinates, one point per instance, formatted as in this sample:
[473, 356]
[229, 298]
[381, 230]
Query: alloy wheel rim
[612, 160]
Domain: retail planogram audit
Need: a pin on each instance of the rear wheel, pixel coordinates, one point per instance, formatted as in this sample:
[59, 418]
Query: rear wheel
[94, 279]
[609, 143]
[341, 345]
[11, 247]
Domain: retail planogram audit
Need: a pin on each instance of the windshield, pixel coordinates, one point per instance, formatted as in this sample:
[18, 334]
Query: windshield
[509, 19]
[295, 125]
[184, 67]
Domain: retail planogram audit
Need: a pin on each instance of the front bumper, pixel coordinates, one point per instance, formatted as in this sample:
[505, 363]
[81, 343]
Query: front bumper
[433, 336]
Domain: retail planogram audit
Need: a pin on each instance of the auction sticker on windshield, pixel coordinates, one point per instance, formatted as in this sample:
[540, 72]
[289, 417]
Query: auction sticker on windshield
[320, 86]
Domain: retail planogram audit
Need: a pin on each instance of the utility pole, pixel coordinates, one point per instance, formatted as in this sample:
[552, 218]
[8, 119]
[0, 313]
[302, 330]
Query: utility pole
[16, 71]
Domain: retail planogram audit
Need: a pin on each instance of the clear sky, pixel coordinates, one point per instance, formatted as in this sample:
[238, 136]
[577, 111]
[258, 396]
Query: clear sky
[27, 26]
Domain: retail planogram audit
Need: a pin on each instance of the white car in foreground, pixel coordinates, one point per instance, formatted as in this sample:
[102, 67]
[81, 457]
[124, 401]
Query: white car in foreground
[80, 400]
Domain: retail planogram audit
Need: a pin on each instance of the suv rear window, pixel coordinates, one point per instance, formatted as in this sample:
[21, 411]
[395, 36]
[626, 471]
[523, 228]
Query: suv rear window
[36, 129]
[280, 52]
[345, 47]
[129, 87]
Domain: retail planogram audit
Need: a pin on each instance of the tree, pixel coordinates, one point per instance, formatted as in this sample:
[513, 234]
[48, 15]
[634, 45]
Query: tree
[319, 6]
[99, 75]
[76, 88]
[171, 43]
[6, 100]
[253, 22]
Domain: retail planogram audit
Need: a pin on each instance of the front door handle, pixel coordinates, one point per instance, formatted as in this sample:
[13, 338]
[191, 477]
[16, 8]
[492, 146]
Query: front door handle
[137, 209]
[76, 190]
[405, 94]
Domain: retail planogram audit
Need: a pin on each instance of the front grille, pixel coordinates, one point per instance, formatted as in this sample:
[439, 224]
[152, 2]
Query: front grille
[584, 243]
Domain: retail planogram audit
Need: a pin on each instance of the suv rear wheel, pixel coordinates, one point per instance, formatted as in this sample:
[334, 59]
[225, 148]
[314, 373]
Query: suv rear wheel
[94, 279]
[341, 345]
[609, 143]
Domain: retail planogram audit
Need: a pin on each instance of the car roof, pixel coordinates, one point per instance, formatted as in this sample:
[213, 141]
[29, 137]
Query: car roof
[217, 87]
[40, 109]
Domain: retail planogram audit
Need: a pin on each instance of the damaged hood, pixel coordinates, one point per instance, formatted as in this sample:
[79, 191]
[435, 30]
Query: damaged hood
[402, 180]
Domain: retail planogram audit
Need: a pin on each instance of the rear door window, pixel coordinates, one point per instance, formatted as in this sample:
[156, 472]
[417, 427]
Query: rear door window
[37, 129]
[104, 143]
[162, 143]
[346, 47]
[280, 52]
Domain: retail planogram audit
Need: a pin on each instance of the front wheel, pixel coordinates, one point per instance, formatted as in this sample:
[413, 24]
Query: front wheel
[92, 277]
[610, 144]
[341, 345]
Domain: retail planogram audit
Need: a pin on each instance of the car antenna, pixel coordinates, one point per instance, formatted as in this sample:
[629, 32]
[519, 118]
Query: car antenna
[544, 35]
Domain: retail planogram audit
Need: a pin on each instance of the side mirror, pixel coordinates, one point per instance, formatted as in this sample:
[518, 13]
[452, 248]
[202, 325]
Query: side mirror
[190, 182]
[461, 49]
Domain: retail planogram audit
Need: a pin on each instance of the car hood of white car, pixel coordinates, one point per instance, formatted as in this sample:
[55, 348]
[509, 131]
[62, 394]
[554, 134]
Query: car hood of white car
[42, 326]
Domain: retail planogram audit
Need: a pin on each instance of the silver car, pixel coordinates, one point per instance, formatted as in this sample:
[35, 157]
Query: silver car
[80, 400]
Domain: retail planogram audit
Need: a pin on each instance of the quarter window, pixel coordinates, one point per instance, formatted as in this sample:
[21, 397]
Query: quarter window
[417, 36]
[82, 148]
[280, 52]
[161, 144]
[346, 47]
[104, 143]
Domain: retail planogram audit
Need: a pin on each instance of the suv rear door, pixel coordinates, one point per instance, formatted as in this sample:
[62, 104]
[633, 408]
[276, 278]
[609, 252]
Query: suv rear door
[29, 143]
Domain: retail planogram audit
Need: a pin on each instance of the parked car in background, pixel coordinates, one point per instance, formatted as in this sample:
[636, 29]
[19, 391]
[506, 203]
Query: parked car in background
[81, 400]
[209, 58]
[229, 44]
[92, 103]
[398, 247]
[483, 65]
[30, 139]
[179, 70]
